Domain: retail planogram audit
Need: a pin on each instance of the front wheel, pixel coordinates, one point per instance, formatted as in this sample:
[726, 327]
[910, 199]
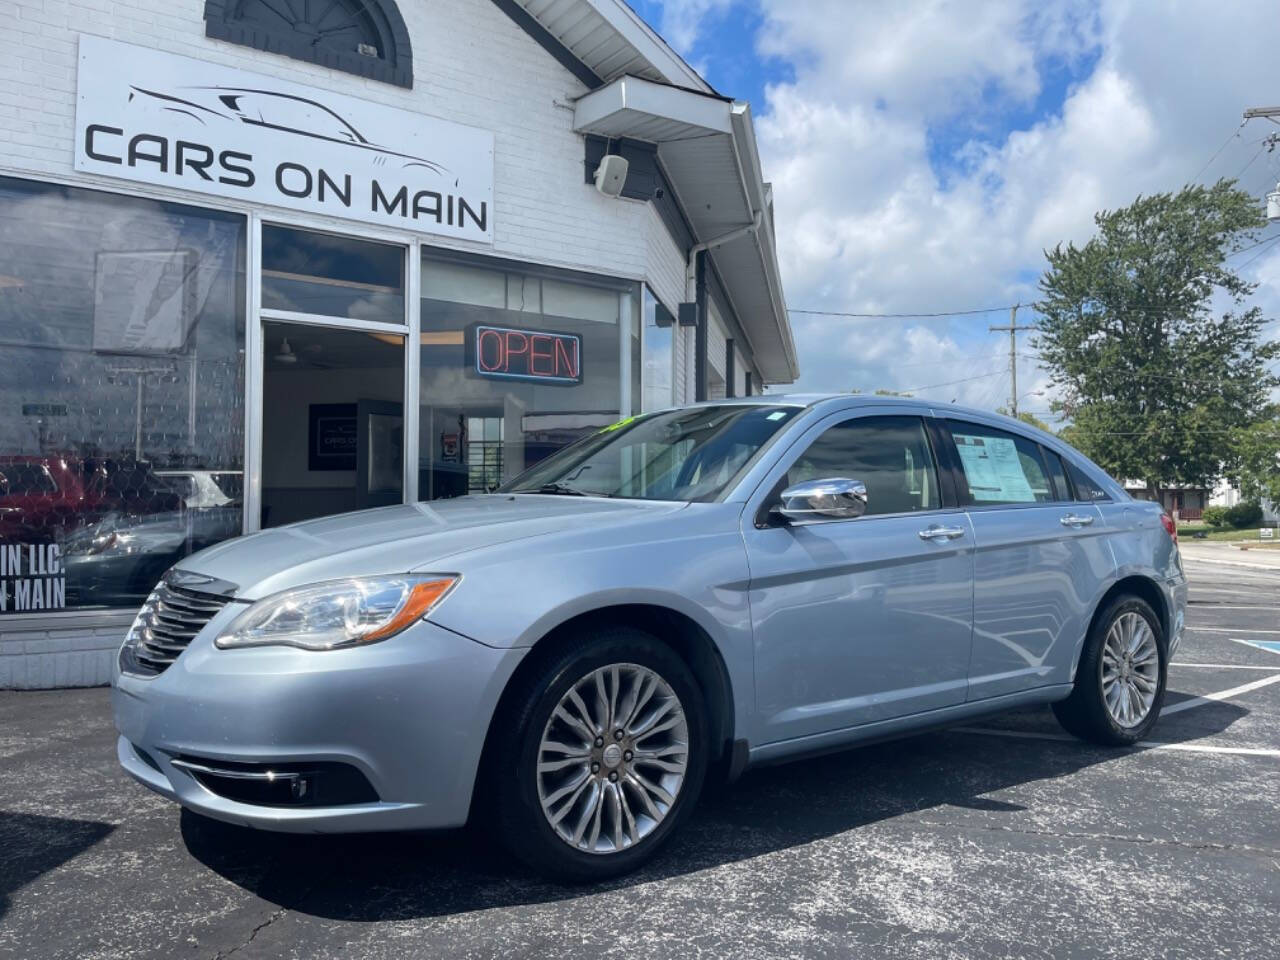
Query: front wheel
[606, 753]
[1120, 683]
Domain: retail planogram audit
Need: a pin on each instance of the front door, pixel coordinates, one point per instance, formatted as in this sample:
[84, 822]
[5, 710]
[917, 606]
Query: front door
[332, 421]
[858, 621]
[334, 331]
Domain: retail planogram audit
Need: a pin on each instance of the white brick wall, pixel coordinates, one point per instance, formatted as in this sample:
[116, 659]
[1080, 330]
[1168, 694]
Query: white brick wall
[471, 65]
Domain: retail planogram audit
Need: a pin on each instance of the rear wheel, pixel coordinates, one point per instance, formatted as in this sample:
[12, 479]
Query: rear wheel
[605, 756]
[1120, 683]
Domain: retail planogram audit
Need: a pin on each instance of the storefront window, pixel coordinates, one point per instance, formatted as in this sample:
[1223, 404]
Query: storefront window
[659, 361]
[319, 273]
[122, 432]
[513, 367]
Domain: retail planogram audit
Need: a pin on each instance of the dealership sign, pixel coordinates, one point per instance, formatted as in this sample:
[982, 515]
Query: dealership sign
[539, 356]
[171, 121]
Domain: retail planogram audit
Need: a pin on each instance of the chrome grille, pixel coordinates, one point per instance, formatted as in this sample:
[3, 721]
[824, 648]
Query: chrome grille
[167, 622]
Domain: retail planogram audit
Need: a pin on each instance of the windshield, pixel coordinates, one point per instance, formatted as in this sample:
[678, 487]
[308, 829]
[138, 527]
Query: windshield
[691, 454]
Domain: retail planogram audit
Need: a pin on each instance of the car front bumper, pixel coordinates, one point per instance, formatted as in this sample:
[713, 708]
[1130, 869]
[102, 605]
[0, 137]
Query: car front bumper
[410, 714]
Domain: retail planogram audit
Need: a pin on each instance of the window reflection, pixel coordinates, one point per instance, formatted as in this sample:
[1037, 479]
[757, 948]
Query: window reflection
[308, 272]
[121, 447]
[550, 373]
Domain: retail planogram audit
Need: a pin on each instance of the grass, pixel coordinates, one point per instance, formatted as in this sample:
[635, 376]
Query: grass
[1223, 535]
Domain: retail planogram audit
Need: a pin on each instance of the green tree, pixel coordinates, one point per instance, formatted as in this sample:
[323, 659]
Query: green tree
[1159, 385]
[1257, 470]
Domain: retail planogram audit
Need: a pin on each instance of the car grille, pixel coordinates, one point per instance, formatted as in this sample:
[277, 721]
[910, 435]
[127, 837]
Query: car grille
[167, 622]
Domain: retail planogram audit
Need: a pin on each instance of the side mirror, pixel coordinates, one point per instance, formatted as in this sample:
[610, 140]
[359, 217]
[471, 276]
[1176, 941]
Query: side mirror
[817, 501]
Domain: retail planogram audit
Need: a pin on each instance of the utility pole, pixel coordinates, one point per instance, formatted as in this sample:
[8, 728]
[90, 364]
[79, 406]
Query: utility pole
[1013, 329]
[1273, 198]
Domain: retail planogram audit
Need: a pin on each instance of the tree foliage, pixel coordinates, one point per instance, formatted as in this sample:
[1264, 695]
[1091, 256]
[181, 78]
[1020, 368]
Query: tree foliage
[1257, 470]
[1146, 332]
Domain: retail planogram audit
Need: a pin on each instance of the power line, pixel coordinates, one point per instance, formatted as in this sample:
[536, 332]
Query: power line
[901, 316]
[951, 383]
[1234, 133]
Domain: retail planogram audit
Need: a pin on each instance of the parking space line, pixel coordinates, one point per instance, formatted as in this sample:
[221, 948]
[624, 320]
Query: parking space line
[1229, 630]
[1143, 744]
[1220, 695]
[1271, 646]
[1228, 666]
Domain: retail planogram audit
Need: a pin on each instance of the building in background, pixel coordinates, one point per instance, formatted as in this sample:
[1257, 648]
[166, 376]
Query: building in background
[261, 262]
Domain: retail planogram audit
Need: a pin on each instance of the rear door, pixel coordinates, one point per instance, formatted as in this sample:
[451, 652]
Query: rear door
[1040, 560]
[866, 619]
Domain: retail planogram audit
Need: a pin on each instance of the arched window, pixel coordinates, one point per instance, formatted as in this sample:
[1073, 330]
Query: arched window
[364, 37]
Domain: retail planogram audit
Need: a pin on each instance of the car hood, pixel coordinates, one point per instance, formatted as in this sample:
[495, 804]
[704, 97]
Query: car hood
[427, 537]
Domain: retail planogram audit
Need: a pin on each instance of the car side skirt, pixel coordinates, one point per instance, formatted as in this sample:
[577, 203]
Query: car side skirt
[867, 733]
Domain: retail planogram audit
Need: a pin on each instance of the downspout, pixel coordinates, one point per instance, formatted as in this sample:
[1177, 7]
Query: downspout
[694, 283]
[691, 265]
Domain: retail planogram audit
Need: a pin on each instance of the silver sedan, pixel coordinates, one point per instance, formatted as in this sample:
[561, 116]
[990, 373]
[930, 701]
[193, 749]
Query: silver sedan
[682, 595]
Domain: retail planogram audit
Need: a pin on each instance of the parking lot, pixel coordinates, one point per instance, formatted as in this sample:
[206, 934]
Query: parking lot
[1002, 839]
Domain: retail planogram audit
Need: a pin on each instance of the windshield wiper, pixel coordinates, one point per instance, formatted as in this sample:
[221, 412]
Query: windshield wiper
[560, 489]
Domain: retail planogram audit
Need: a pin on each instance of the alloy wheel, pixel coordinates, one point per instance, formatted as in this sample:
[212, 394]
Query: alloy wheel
[612, 759]
[1130, 669]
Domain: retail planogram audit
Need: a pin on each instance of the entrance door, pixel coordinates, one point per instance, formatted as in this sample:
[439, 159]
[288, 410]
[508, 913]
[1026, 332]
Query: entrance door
[332, 421]
[335, 323]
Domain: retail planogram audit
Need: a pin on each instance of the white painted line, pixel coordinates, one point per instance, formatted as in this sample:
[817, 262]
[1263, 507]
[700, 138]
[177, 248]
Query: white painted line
[1143, 744]
[1226, 666]
[1206, 607]
[1254, 644]
[1228, 630]
[1220, 695]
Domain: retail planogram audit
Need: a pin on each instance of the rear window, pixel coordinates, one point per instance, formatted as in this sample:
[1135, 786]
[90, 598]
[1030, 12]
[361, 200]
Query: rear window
[17, 479]
[1086, 489]
[1000, 467]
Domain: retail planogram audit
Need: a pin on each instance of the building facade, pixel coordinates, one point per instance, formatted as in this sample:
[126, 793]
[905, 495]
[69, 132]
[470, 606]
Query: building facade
[261, 262]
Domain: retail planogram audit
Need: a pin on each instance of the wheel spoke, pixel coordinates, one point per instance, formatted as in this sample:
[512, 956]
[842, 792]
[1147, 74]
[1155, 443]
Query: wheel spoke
[584, 713]
[581, 728]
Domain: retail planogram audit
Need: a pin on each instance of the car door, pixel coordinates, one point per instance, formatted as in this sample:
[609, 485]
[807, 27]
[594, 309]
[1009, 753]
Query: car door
[1039, 562]
[859, 620]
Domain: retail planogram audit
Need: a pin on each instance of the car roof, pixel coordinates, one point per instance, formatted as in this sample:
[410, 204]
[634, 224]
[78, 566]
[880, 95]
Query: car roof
[854, 400]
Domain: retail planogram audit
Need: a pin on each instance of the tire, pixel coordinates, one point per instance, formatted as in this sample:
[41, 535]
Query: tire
[1117, 714]
[547, 728]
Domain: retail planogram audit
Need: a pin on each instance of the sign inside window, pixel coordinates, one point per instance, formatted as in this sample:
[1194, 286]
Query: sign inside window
[538, 356]
[993, 470]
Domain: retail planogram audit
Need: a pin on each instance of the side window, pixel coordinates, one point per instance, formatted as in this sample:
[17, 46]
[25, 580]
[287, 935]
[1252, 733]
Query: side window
[890, 455]
[1000, 467]
[1062, 489]
[1086, 490]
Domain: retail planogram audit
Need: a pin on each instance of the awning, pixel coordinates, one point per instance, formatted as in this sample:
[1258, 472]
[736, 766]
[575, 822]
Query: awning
[707, 147]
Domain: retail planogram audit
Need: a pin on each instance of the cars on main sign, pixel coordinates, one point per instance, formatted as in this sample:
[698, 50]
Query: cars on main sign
[683, 594]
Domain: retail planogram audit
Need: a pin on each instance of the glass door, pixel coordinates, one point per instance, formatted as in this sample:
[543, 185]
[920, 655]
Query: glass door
[333, 379]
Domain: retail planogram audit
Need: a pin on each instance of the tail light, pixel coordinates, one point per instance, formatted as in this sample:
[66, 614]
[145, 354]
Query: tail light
[1170, 527]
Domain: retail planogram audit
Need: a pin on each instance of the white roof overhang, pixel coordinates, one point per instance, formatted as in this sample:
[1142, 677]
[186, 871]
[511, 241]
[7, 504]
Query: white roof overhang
[611, 40]
[707, 147]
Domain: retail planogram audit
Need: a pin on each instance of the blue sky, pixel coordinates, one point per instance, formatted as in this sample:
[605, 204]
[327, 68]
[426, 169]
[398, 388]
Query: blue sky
[925, 152]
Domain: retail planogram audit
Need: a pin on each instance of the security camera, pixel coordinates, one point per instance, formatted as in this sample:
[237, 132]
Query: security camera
[611, 175]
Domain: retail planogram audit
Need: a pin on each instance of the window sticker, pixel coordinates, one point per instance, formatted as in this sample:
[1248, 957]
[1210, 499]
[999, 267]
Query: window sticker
[994, 472]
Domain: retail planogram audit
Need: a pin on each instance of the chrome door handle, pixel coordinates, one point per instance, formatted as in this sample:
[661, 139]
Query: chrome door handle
[1073, 520]
[936, 532]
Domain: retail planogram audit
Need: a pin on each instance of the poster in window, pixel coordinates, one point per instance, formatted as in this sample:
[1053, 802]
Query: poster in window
[333, 440]
[144, 301]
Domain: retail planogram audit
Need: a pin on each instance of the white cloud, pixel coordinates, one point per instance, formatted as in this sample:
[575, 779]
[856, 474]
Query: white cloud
[867, 222]
[682, 20]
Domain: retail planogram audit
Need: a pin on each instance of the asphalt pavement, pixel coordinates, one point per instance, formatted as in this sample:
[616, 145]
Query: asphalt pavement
[1004, 838]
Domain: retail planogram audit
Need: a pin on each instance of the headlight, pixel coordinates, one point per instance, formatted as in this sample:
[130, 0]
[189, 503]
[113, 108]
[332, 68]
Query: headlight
[337, 613]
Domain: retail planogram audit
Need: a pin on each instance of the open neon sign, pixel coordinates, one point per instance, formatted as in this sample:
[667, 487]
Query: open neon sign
[539, 356]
